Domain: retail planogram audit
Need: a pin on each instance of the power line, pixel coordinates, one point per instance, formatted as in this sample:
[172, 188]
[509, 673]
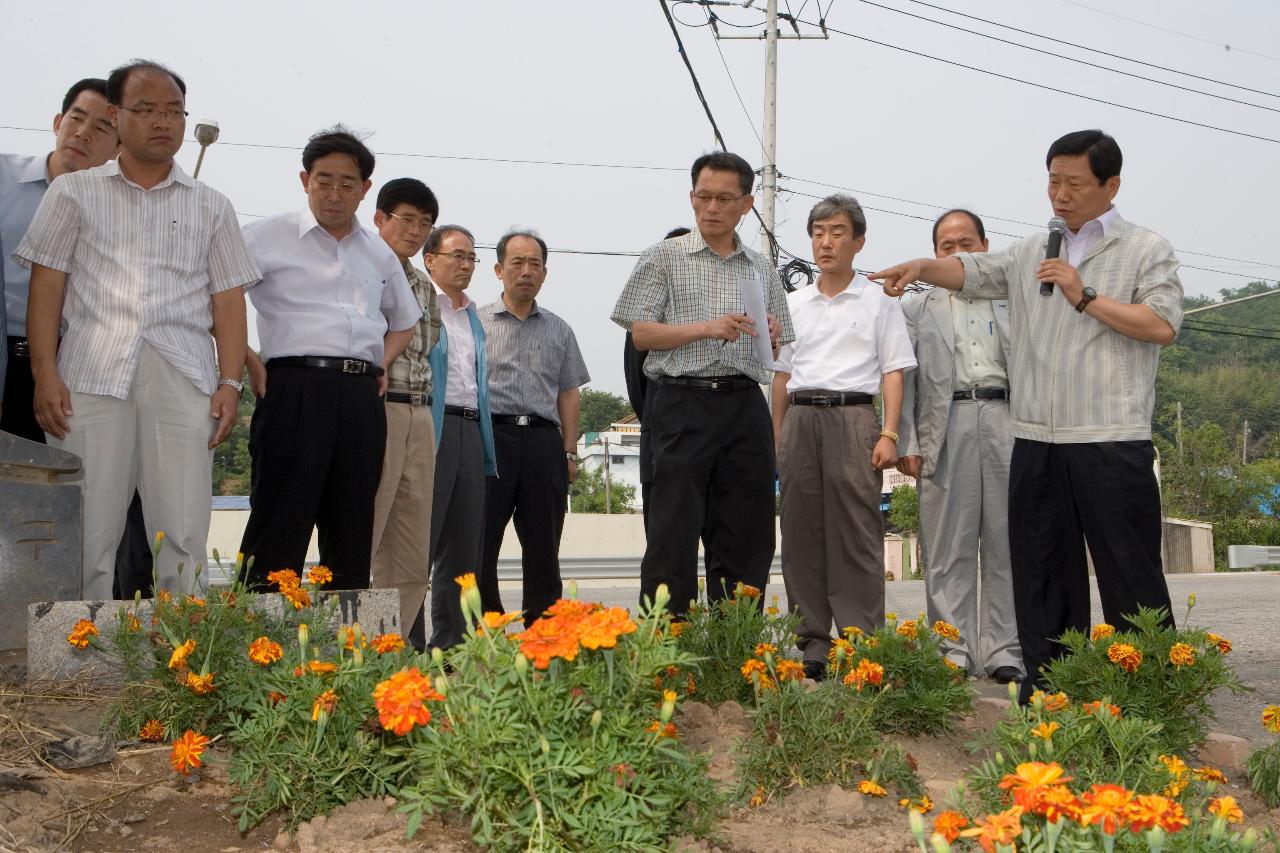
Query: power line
[1068, 58]
[711, 16]
[1196, 328]
[1171, 31]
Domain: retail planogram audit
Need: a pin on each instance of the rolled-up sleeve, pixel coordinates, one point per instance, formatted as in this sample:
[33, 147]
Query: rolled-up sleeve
[1158, 286]
[986, 274]
[51, 238]
[644, 298]
[398, 305]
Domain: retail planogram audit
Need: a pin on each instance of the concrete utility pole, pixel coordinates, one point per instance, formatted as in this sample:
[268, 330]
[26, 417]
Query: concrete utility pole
[608, 468]
[1179, 430]
[1244, 444]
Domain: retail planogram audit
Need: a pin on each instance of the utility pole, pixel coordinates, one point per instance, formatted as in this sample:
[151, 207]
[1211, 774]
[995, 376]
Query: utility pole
[608, 466]
[1244, 444]
[1179, 430]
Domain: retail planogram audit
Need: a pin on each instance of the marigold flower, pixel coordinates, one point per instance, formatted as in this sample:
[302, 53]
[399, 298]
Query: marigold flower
[947, 631]
[493, 620]
[996, 830]
[1033, 774]
[1271, 718]
[853, 632]
[164, 596]
[348, 636]
[1052, 802]
[297, 595]
[871, 789]
[202, 684]
[264, 651]
[601, 629]
[181, 653]
[275, 698]
[924, 805]
[325, 703]
[763, 649]
[1101, 631]
[547, 638]
[1178, 770]
[950, 663]
[677, 628]
[1125, 655]
[772, 609]
[1096, 707]
[319, 576]
[384, 643]
[948, 824]
[283, 578]
[132, 622]
[194, 601]
[1226, 808]
[1152, 810]
[1210, 774]
[466, 582]
[1180, 654]
[152, 731]
[81, 632]
[1051, 702]
[1045, 730]
[753, 667]
[401, 699]
[871, 642]
[322, 667]
[757, 799]
[907, 629]
[745, 590]
[841, 644]
[1224, 645]
[1106, 805]
[662, 730]
[790, 670]
[187, 750]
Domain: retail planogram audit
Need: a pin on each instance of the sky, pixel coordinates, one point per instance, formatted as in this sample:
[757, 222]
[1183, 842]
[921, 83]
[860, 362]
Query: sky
[451, 93]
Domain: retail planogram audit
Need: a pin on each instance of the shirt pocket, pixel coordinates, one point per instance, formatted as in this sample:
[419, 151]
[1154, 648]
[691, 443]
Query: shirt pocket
[362, 293]
[547, 359]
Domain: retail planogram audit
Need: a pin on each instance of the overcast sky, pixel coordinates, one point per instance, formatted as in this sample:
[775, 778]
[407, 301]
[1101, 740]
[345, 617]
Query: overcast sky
[600, 81]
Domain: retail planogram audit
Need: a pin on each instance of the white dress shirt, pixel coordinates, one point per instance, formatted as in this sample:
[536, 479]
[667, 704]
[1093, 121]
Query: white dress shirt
[1080, 243]
[845, 342]
[461, 388]
[23, 181]
[323, 296]
[141, 265]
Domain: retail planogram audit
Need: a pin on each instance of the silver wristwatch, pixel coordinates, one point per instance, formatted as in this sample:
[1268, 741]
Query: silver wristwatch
[234, 383]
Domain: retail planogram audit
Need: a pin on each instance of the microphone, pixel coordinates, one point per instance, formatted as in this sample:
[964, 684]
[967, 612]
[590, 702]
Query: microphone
[1057, 227]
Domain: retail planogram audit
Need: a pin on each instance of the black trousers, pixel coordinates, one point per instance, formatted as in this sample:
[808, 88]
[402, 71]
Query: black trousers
[457, 529]
[713, 477]
[714, 566]
[316, 441]
[1060, 497]
[133, 556]
[533, 485]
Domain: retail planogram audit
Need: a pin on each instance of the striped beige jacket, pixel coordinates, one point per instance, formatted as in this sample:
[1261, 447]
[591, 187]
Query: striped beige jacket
[1073, 379]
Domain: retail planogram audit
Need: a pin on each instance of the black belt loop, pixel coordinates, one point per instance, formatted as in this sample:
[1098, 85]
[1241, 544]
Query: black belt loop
[981, 394]
[711, 383]
[827, 399]
[463, 412]
[413, 399]
[523, 420]
[352, 366]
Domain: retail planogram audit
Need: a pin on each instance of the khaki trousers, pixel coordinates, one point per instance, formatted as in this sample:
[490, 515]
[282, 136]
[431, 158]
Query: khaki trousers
[402, 509]
[832, 530]
[156, 441]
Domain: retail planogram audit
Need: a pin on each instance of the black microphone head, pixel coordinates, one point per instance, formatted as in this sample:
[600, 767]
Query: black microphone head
[1057, 225]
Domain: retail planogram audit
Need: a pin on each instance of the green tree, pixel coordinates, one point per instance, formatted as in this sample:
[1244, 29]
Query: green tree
[231, 463]
[599, 409]
[904, 516]
[587, 492]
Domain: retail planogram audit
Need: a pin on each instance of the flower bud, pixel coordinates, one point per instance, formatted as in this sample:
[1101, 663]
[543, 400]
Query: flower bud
[544, 745]
[1013, 692]
[1249, 840]
[917, 824]
[661, 596]
[939, 843]
[668, 708]
[522, 665]
[304, 636]
[1155, 840]
[442, 685]
[437, 656]
[596, 719]
[1219, 828]
[1191, 601]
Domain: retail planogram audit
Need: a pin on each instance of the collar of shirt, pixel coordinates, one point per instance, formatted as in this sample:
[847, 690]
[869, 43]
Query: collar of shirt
[307, 223]
[853, 290]
[1102, 223]
[443, 298]
[697, 244]
[112, 167]
[37, 170]
[499, 306]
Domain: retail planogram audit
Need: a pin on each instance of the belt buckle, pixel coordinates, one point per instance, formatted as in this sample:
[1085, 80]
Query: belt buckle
[22, 349]
[417, 399]
[471, 414]
[354, 365]
[522, 420]
[715, 385]
[822, 400]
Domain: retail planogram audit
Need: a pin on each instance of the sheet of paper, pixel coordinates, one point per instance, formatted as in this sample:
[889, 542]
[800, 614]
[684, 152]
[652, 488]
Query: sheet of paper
[753, 306]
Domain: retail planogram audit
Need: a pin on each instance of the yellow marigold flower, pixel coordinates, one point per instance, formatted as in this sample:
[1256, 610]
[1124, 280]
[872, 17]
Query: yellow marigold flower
[547, 638]
[907, 629]
[669, 696]
[1180, 654]
[790, 670]
[1107, 805]
[998, 830]
[132, 622]
[745, 590]
[201, 685]
[924, 805]
[871, 789]
[297, 595]
[187, 750]
[763, 649]
[1151, 810]
[1101, 631]
[1210, 774]
[81, 632]
[1127, 656]
[947, 631]
[950, 663]
[758, 798]
[467, 581]
[384, 643]
[264, 651]
[152, 731]
[319, 575]
[852, 632]
[181, 653]
[753, 667]
[1033, 774]
[1227, 808]
[772, 609]
[322, 667]
[1271, 718]
[948, 824]
[493, 620]
[890, 616]
[401, 699]
[677, 628]
[1045, 730]
[840, 644]
[1178, 770]
[1051, 702]
[325, 703]
[283, 578]
[1224, 645]
[601, 629]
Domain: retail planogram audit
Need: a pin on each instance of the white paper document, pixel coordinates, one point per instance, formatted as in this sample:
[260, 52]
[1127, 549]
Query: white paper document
[753, 306]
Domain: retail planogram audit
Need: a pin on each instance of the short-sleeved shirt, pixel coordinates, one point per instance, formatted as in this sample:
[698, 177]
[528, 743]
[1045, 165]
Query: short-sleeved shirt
[23, 181]
[141, 265]
[530, 361]
[845, 342]
[682, 281]
[323, 296]
[410, 373]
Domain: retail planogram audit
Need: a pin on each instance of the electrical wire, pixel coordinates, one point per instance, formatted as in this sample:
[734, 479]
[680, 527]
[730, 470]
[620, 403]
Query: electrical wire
[1171, 31]
[711, 16]
[1196, 328]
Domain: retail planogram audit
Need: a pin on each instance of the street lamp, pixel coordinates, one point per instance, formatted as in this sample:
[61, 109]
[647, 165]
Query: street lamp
[206, 135]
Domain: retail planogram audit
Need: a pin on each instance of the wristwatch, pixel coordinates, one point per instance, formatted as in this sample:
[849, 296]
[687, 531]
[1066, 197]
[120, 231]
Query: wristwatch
[570, 454]
[1086, 296]
[234, 383]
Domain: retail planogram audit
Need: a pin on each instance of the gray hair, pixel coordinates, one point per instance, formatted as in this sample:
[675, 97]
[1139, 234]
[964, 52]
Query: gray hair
[436, 238]
[838, 205]
[520, 232]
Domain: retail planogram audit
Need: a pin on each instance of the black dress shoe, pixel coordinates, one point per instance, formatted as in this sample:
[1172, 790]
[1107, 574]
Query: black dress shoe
[815, 669]
[1006, 674]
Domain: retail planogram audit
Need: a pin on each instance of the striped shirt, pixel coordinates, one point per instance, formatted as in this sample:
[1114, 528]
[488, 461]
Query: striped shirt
[141, 265]
[531, 361]
[1074, 378]
[410, 373]
[23, 181]
[682, 281]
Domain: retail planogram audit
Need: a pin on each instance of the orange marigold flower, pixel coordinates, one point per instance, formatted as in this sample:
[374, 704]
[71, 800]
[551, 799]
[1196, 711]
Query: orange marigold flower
[401, 699]
[164, 596]
[322, 667]
[1210, 774]
[841, 644]
[948, 824]
[1033, 774]
[132, 621]
[384, 643]
[299, 597]
[950, 663]
[187, 750]
[1000, 829]
[601, 629]
[947, 631]
[325, 703]
[1125, 655]
[467, 581]
[753, 667]
[264, 651]
[494, 621]
[547, 638]
[1106, 805]
[1096, 707]
[1224, 645]
[572, 610]
[1227, 808]
[319, 576]
[1051, 702]
[275, 698]
[745, 590]
[194, 601]
[907, 629]
[202, 684]
[853, 632]
[871, 789]
[790, 670]
[1180, 654]
[1053, 802]
[283, 578]
[667, 730]
[81, 632]
[1152, 810]
[181, 653]
[758, 798]
[763, 649]
[151, 731]
[1045, 730]
[1271, 718]
[1101, 631]
[348, 636]
[677, 628]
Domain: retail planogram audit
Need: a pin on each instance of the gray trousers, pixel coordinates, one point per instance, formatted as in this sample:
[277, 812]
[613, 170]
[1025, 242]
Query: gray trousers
[964, 531]
[832, 530]
[457, 523]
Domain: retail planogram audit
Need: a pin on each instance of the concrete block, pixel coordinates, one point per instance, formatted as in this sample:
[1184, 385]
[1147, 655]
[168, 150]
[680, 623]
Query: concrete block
[51, 658]
[1224, 751]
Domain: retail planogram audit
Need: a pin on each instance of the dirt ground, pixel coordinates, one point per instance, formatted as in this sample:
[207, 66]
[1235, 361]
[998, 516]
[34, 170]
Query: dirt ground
[137, 802]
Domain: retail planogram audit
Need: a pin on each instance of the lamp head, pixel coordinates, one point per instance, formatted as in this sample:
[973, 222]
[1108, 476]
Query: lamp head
[206, 132]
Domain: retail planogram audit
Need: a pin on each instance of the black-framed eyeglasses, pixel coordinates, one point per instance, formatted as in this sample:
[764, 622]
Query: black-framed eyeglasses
[149, 113]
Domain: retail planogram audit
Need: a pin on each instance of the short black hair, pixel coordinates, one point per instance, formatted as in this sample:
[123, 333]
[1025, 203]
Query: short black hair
[977, 223]
[338, 139]
[88, 84]
[676, 232]
[121, 75]
[1105, 158]
[724, 161]
[511, 235]
[410, 191]
[436, 238]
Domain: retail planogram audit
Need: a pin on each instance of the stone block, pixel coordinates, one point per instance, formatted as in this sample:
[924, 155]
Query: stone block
[40, 530]
[51, 658]
[1224, 751]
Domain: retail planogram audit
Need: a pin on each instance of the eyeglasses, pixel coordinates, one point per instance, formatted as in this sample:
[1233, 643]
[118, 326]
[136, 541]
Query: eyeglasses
[345, 188]
[458, 257]
[424, 223]
[150, 113]
[707, 198]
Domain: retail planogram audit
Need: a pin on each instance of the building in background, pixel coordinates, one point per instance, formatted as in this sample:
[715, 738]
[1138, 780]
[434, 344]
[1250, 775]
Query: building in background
[617, 450]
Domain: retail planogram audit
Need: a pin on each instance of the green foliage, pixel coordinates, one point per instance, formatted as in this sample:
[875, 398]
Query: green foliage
[1150, 685]
[723, 634]
[231, 462]
[587, 492]
[599, 409]
[1263, 766]
[904, 509]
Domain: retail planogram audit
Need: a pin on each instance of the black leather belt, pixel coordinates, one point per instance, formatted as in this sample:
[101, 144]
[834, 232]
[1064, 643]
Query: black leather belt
[711, 383]
[523, 420]
[354, 366]
[18, 347]
[981, 394]
[830, 398]
[411, 399]
[463, 412]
